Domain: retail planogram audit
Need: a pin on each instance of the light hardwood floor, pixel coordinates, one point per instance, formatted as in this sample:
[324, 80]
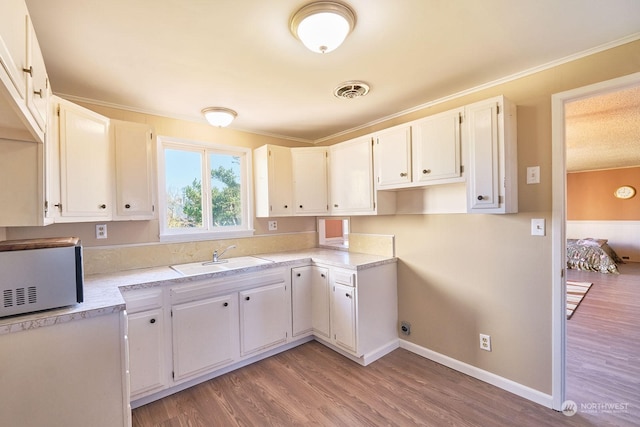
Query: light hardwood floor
[312, 385]
[603, 346]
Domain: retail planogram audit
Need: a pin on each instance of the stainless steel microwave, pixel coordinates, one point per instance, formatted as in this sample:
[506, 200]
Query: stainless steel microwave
[40, 274]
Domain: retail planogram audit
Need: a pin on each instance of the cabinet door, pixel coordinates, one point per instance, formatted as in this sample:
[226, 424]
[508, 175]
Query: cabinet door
[351, 177]
[436, 146]
[343, 316]
[320, 302]
[86, 164]
[309, 181]
[205, 335]
[484, 178]
[263, 317]
[37, 80]
[13, 44]
[135, 173]
[273, 181]
[146, 351]
[393, 157]
[301, 300]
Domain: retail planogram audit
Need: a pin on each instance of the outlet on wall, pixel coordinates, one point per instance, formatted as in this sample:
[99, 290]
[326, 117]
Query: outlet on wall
[485, 342]
[101, 231]
[273, 225]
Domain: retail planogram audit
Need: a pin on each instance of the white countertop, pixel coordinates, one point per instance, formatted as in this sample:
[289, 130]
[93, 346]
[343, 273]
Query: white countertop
[102, 292]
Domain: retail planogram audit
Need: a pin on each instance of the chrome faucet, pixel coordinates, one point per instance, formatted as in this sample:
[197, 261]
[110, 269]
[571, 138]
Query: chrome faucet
[216, 257]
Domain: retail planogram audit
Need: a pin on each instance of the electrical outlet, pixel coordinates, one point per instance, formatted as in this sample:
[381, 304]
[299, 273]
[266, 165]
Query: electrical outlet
[101, 231]
[405, 328]
[273, 225]
[485, 342]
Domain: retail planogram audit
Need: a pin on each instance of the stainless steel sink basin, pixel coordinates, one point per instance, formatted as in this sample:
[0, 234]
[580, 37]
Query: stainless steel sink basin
[194, 268]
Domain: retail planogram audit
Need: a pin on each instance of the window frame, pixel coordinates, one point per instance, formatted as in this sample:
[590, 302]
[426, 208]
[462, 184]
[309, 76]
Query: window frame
[206, 232]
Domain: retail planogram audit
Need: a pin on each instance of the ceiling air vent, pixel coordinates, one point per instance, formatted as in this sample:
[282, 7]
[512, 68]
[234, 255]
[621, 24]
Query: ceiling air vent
[350, 90]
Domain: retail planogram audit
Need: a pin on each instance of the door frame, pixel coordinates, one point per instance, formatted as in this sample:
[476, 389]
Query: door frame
[558, 231]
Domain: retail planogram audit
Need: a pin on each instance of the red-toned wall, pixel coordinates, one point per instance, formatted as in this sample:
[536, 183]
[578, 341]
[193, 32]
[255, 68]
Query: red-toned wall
[590, 195]
[333, 228]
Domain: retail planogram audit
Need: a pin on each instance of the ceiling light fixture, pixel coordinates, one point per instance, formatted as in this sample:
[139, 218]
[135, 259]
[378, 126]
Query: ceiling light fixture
[322, 26]
[218, 116]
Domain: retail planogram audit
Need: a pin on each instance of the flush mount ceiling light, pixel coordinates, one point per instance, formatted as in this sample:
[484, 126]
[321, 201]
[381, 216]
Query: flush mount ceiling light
[218, 116]
[322, 26]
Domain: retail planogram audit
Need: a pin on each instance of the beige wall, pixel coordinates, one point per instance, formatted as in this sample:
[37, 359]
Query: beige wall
[458, 275]
[461, 275]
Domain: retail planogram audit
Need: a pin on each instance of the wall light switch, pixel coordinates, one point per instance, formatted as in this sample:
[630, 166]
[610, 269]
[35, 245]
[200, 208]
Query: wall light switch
[533, 175]
[537, 227]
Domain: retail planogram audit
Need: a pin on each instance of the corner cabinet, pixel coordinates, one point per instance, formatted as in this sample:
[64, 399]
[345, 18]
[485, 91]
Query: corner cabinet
[134, 145]
[86, 164]
[309, 181]
[490, 131]
[310, 301]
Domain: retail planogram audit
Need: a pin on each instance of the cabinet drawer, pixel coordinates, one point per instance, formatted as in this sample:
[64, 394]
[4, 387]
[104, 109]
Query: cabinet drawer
[344, 277]
[143, 299]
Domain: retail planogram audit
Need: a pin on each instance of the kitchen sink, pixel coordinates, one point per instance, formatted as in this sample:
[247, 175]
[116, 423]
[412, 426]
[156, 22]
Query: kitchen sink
[194, 268]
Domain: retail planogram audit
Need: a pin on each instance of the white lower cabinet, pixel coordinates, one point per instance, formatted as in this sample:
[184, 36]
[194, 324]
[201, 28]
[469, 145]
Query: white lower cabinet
[310, 300]
[343, 313]
[204, 335]
[180, 334]
[263, 318]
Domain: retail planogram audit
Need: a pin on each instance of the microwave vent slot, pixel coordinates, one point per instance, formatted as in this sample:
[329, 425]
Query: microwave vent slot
[20, 296]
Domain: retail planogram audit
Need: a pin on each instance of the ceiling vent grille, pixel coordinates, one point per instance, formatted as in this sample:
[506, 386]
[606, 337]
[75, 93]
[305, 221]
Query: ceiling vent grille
[350, 90]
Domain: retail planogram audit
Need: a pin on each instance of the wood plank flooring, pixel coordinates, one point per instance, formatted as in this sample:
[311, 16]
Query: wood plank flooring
[603, 346]
[312, 385]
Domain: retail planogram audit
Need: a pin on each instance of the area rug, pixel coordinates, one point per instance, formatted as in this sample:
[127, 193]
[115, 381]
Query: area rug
[575, 292]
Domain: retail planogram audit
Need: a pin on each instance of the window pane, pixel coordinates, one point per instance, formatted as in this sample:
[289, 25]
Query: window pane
[183, 172]
[226, 194]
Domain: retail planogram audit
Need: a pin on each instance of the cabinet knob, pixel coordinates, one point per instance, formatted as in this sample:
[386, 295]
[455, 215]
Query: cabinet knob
[247, 298]
[426, 171]
[403, 174]
[348, 295]
[335, 205]
[103, 206]
[298, 274]
[286, 206]
[226, 304]
[127, 206]
[480, 197]
[322, 275]
[28, 71]
[300, 206]
[38, 92]
[152, 321]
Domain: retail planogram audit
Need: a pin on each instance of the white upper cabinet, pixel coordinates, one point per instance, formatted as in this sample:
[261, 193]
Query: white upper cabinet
[423, 152]
[351, 177]
[273, 181]
[23, 77]
[309, 181]
[436, 146]
[490, 130]
[37, 80]
[86, 164]
[393, 157]
[134, 145]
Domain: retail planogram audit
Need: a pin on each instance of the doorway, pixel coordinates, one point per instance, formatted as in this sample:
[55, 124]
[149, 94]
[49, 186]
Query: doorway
[559, 159]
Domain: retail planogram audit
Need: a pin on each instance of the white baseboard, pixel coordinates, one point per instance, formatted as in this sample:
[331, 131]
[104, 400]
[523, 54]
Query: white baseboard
[365, 359]
[480, 374]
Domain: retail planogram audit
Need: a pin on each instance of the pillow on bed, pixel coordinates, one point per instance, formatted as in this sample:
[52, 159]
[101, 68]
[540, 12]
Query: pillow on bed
[592, 242]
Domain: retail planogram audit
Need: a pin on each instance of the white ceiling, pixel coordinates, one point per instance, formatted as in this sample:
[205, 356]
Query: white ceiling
[603, 132]
[175, 57]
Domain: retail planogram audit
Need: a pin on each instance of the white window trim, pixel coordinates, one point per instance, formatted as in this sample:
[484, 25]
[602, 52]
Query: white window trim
[185, 235]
